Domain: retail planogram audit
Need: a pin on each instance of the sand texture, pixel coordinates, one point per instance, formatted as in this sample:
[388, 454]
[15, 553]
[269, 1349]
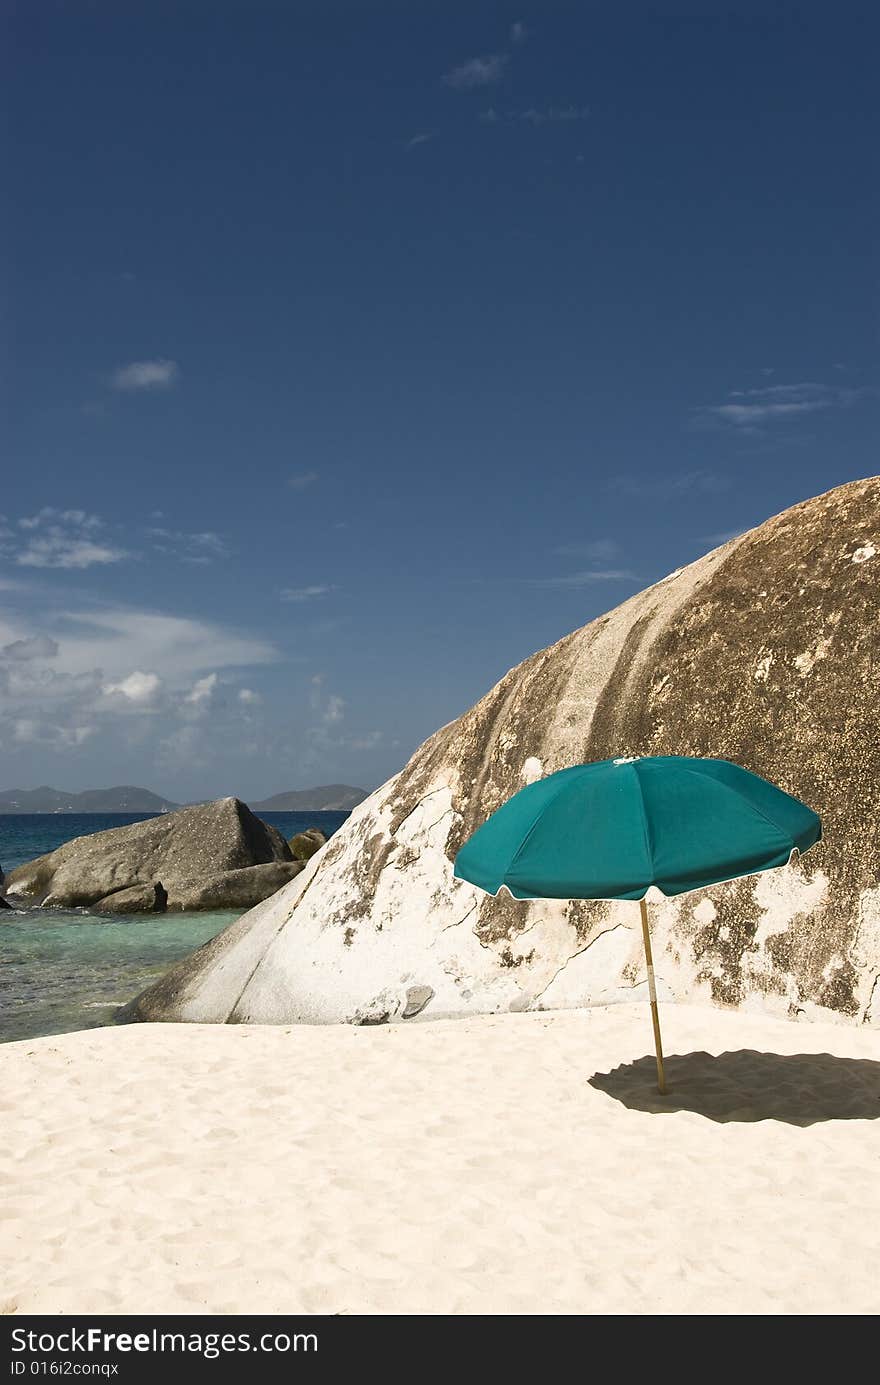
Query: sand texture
[498, 1164]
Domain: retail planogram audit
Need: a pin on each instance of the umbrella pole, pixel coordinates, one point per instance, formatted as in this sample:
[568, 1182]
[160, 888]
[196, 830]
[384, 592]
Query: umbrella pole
[652, 992]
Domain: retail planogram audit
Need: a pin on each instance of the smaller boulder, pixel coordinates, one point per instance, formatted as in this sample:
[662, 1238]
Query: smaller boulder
[137, 899]
[417, 998]
[237, 889]
[305, 844]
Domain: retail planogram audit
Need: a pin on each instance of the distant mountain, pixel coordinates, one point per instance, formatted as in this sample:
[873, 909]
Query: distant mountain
[327, 797]
[125, 798]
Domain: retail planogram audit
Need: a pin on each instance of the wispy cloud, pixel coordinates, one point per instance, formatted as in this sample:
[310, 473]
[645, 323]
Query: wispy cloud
[297, 594]
[48, 513]
[62, 539]
[518, 32]
[197, 548]
[698, 482]
[751, 408]
[159, 374]
[417, 140]
[301, 480]
[585, 578]
[478, 72]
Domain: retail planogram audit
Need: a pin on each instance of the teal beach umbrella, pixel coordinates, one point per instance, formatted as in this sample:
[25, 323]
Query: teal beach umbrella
[614, 828]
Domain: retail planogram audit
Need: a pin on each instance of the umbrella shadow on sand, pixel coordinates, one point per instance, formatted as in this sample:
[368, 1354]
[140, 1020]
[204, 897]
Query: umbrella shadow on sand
[745, 1085]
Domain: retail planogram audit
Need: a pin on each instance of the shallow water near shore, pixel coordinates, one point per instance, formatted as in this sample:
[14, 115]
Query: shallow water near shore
[66, 969]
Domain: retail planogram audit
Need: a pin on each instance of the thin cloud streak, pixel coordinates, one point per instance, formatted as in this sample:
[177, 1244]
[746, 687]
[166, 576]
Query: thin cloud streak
[699, 482]
[159, 374]
[748, 409]
[575, 580]
[300, 594]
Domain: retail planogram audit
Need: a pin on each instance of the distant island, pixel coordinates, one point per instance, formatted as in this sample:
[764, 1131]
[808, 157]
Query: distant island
[127, 798]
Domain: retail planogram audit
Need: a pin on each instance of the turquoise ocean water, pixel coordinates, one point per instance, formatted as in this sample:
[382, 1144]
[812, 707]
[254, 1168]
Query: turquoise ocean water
[63, 969]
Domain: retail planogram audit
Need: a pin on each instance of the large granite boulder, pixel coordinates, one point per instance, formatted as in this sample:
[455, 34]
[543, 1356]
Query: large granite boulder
[212, 856]
[766, 651]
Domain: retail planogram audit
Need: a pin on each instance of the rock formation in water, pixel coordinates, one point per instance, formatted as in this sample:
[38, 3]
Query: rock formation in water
[766, 652]
[213, 856]
[305, 844]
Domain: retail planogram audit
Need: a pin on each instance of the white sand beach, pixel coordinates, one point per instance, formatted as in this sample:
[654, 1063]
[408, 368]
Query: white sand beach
[447, 1167]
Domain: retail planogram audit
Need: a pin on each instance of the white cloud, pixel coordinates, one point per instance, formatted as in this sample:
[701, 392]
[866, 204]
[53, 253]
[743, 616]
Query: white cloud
[158, 374]
[137, 687]
[300, 480]
[63, 539]
[417, 140]
[299, 594]
[249, 697]
[477, 72]
[202, 690]
[518, 32]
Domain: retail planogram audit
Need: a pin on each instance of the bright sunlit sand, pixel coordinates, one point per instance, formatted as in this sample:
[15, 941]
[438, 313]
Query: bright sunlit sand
[448, 1167]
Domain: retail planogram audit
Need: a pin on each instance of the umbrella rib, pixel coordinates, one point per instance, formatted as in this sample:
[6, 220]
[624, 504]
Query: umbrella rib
[525, 841]
[649, 847]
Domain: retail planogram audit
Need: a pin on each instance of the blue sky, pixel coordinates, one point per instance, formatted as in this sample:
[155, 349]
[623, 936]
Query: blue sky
[357, 352]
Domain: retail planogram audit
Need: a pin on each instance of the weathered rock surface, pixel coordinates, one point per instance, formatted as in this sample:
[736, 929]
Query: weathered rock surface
[213, 856]
[765, 651]
[305, 844]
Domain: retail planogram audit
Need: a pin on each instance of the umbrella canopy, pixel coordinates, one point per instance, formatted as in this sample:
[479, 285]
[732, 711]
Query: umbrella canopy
[614, 828]
[611, 829]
